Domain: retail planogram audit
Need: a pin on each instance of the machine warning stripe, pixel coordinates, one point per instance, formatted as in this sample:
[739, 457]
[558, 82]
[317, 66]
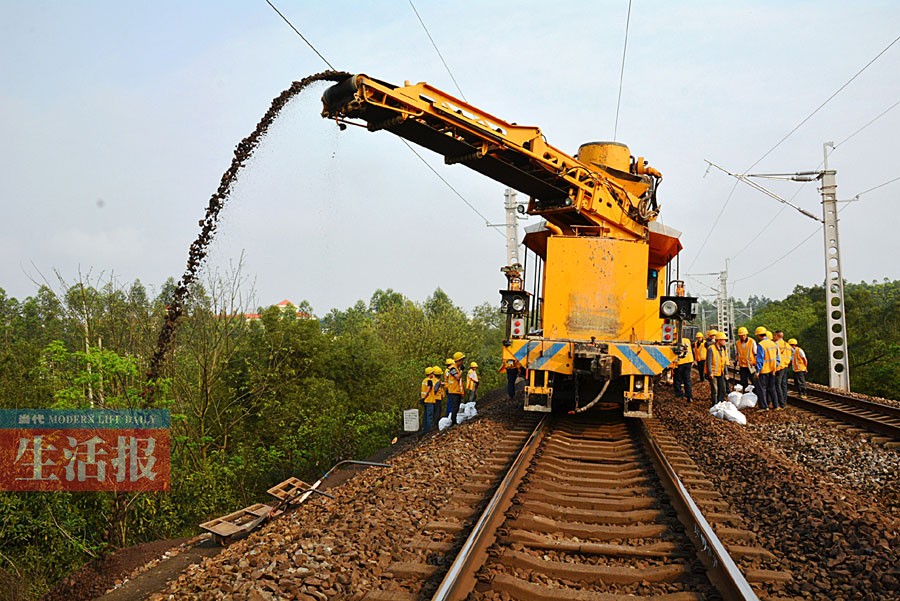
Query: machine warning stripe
[633, 358]
[548, 354]
[523, 351]
[544, 351]
[658, 355]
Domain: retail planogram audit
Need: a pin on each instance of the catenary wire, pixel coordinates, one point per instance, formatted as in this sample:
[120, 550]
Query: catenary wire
[878, 186]
[715, 223]
[880, 115]
[781, 141]
[622, 73]
[829, 99]
[816, 231]
[461, 197]
[433, 170]
[308, 43]
[447, 67]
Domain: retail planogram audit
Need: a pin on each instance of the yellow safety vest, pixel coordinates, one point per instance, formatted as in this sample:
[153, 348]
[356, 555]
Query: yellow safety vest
[470, 381]
[770, 358]
[746, 352]
[798, 361]
[700, 350]
[716, 360]
[784, 351]
[428, 394]
[689, 356]
[453, 380]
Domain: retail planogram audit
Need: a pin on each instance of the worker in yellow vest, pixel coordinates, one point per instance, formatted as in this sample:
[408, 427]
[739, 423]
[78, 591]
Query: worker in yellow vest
[767, 359]
[745, 348]
[799, 365]
[454, 382]
[717, 366]
[709, 343]
[700, 355]
[781, 374]
[428, 396]
[682, 379]
[472, 382]
[440, 392]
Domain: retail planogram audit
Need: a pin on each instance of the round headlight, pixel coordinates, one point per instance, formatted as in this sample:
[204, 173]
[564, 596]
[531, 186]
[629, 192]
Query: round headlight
[518, 304]
[669, 308]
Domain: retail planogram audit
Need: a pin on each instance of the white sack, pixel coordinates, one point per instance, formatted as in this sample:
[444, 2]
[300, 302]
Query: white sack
[734, 397]
[444, 423]
[727, 411]
[718, 410]
[733, 415]
[748, 400]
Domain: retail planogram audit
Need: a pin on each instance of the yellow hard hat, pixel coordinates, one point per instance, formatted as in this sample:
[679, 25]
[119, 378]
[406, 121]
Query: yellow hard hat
[769, 334]
[792, 341]
[699, 334]
[438, 371]
[721, 336]
[473, 364]
[449, 362]
[711, 333]
[760, 330]
[742, 331]
[458, 356]
[429, 371]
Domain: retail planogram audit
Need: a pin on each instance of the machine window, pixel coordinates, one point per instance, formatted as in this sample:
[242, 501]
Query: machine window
[652, 283]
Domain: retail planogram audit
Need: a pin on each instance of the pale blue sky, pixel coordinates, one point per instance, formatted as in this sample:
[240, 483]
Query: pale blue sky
[119, 119]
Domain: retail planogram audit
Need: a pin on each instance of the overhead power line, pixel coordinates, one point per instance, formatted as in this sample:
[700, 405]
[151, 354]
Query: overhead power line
[622, 73]
[880, 115]
[440, 177]
[302, 37]
[814, 232]
[878, 186]
[436, 49]
[818, 108]
[788, 135]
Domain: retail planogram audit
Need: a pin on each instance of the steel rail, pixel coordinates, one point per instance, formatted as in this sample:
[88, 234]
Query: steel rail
[874, 424]
[460, 578]
[722, 570]
[885, 419]
[847, 399]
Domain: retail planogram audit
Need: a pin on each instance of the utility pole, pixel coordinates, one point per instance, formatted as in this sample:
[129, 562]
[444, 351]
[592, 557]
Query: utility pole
[722, 313]
[512, 227]
[838, 374]
[731, 339]
[838, 358]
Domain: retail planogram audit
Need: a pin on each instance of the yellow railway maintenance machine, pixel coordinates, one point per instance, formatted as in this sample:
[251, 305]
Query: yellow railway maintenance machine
[603, 322]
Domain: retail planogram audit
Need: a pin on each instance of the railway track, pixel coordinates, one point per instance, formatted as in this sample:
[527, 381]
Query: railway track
[585, 510]
[883, 419]
[875, 417]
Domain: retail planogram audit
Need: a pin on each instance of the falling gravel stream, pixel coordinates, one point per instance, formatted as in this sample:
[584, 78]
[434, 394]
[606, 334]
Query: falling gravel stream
[198, 250]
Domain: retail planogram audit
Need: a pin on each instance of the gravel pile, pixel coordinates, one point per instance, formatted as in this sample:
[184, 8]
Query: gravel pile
[337, 549]
[838, 542]
[853, 461]
[865, 397]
